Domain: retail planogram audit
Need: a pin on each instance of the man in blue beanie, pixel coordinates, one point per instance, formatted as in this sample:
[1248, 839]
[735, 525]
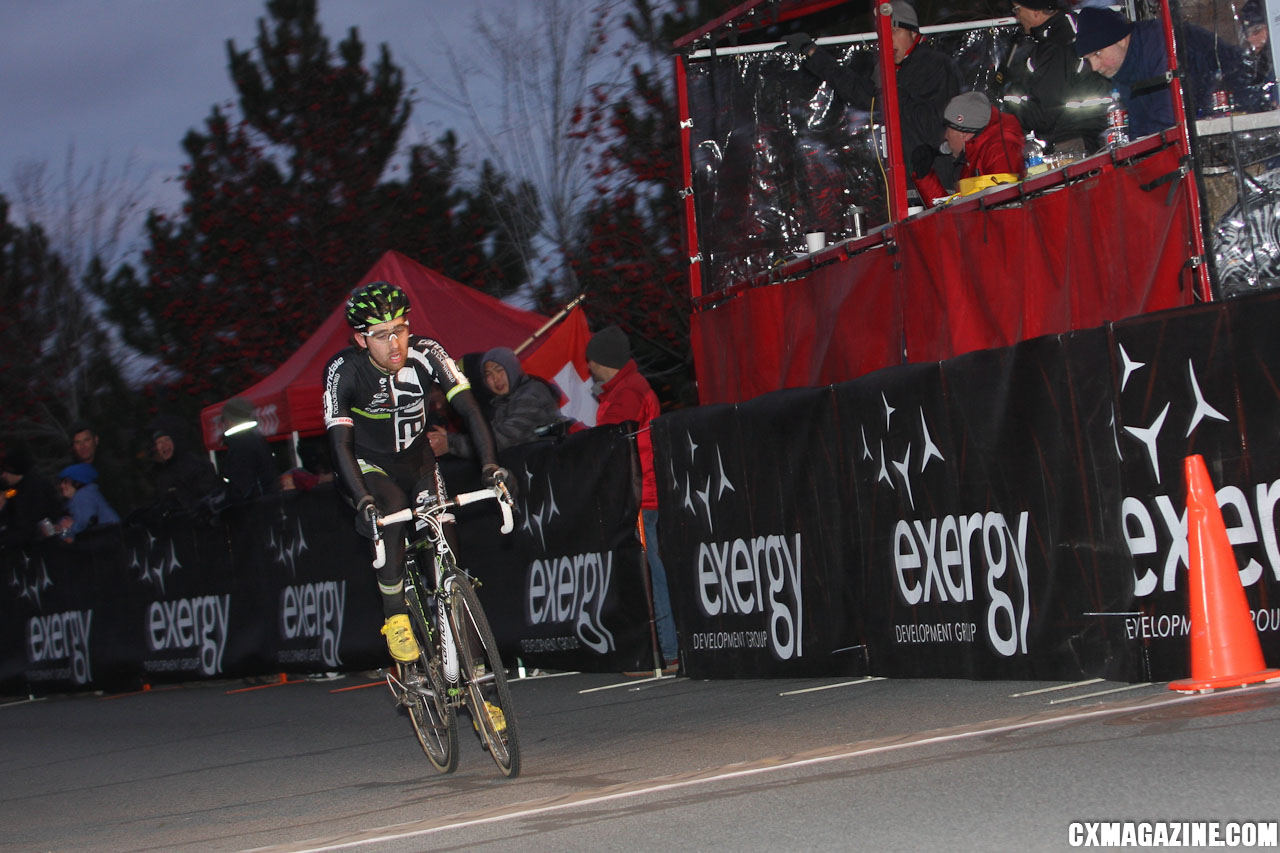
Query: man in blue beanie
[1134, 59]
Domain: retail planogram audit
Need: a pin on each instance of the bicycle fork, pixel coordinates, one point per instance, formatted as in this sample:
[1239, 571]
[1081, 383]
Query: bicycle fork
[448, 649]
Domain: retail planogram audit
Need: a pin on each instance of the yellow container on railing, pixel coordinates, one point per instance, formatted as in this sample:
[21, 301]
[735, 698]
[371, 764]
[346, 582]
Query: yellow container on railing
[968, 186]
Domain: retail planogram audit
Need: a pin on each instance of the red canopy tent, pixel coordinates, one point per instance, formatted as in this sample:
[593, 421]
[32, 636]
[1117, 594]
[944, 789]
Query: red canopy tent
[461, 318]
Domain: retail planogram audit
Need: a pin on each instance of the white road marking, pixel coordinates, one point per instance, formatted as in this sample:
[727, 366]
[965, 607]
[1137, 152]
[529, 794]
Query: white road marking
[642, 788]
[866, 680]
[1055, 687]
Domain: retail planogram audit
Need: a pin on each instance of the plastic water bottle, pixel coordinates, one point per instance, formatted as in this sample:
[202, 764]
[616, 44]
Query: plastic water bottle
[1033, 156]
[1117, 132]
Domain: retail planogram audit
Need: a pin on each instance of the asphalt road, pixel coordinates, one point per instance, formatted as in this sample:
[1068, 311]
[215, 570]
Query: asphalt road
[669, 764]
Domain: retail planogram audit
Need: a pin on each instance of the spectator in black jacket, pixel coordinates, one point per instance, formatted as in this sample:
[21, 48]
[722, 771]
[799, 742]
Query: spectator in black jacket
[927, 80]
[184, 477]
[26, 500]
[1134, 59]
[249, 466]
[1053, 93]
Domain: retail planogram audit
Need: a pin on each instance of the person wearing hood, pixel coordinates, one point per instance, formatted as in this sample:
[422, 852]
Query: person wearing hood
[521, 405]
[183, 477]
[86, 507]
[249, 466]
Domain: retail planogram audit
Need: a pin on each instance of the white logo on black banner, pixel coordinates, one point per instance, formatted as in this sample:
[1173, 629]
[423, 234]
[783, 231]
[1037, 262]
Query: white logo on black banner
[196, 627]
[1157, 527]
[756, 577]
[313, 612]
[287, 541]
[935, 560]
[546, 511]
[156, 561]
[568, 590]
[30, 580]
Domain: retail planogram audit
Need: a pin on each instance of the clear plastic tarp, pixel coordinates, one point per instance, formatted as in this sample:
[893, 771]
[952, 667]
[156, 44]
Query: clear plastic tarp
[776, 154]
[1229, 71]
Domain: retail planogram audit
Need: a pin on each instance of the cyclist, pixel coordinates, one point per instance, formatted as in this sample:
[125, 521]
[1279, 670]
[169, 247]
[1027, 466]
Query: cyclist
[375, 413]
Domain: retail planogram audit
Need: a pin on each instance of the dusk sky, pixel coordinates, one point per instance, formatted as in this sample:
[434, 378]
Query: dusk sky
[122, 78]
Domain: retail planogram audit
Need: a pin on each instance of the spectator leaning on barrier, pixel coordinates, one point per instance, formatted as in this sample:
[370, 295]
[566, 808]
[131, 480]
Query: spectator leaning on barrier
[521, 405]
[249, 467]
[1133, 57]
[1053, 93]
[624, 395]
[28, 502]
[86, 507]
[113, 480]
[982, 140]
[183, 477]
[926, 78]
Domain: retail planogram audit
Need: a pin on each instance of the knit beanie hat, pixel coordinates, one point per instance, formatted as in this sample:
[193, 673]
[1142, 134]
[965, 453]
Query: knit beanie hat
[968, 111]
[609, 347]
[1098, 28]
[904, 16]
[1040, 5]
[82, 474]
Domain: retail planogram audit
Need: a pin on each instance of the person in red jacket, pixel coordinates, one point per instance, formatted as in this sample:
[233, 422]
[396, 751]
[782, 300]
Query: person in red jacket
[982, 139]
[624, 395]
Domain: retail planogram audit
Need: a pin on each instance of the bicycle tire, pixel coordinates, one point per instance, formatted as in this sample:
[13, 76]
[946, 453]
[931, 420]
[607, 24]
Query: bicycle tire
[434, 722]
[465, 613]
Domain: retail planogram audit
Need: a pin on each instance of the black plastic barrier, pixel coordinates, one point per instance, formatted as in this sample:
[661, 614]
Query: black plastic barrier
[1011, 513]
[285, 584]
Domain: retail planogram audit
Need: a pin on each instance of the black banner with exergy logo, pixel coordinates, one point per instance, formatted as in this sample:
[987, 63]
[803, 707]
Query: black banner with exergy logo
[285, 585]
[1011, 513]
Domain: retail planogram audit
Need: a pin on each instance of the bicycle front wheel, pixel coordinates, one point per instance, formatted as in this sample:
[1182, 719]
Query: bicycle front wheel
[427, 697]
[487, 693]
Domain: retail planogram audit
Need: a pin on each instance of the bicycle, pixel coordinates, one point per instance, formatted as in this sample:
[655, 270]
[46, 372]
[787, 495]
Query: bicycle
[459, 664]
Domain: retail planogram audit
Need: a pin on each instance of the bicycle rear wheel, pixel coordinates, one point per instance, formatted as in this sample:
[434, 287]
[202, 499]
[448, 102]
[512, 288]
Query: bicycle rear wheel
[427, 698]
[487, 693]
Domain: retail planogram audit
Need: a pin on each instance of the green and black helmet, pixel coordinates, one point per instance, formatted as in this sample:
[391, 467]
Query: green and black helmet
[374, 303]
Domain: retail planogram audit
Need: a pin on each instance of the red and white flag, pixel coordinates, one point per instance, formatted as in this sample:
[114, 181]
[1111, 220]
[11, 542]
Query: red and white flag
[562, 359]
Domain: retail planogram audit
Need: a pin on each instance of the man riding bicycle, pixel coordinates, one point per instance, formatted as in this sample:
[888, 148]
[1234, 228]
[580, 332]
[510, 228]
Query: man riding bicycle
[375, 413]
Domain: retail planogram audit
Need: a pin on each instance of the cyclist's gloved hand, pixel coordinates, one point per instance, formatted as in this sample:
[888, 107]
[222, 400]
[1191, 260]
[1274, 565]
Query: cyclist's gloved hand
[367, 517]
[492, 475]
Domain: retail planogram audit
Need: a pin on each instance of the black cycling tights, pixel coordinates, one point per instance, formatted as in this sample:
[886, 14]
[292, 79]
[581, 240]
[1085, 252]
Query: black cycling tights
[390, 496]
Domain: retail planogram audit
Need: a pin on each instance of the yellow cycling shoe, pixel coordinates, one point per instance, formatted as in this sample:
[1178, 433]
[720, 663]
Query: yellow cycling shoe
[400, 640]
[495, 714]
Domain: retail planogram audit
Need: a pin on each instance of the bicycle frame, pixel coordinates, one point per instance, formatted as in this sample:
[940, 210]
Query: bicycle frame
[431, 518]
[459, 650]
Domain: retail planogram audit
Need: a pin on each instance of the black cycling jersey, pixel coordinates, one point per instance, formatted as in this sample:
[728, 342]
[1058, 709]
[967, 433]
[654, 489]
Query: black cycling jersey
[381, 418]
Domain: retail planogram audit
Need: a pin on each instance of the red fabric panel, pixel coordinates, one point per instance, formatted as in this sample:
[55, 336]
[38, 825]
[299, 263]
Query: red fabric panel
[800, 333]
[1074, 258]
[1102, 249]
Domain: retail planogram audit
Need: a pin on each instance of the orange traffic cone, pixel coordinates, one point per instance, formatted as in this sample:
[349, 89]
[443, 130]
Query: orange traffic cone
[1225, 651]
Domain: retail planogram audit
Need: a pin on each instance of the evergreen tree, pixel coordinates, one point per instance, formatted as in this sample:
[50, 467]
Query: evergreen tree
[285, 209]
[60, 364]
